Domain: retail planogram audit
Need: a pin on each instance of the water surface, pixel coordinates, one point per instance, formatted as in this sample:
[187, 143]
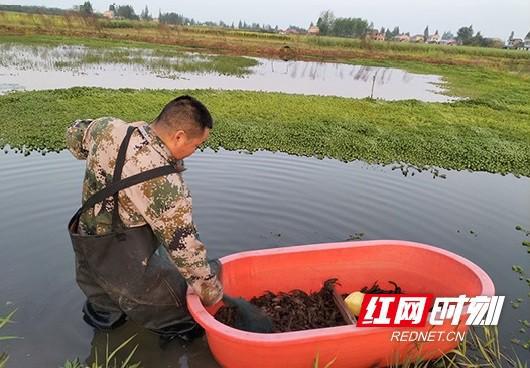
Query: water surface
[38, 68]
[244, 202]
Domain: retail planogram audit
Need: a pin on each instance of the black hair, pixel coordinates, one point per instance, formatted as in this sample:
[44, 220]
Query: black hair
[187, 113]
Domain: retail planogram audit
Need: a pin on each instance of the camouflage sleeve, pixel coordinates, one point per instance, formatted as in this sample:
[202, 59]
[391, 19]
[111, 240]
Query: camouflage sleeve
[166, 206]
[76, 138]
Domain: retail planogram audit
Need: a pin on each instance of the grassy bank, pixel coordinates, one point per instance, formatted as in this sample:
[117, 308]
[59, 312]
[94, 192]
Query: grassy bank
[489, 136]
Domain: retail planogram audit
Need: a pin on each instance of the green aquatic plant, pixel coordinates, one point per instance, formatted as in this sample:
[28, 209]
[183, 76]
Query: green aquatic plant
[3, 322]
[462, 135]
[524, 333]
[109, 360]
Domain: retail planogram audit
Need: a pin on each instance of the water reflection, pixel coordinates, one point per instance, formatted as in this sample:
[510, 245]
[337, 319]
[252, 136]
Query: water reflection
[36, 68]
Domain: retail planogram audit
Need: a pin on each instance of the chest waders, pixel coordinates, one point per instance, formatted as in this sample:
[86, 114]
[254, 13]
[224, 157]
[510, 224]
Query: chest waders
[126, 274]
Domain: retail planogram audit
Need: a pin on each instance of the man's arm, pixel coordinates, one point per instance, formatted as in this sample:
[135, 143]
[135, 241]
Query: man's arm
[165, 204]
[76, 138]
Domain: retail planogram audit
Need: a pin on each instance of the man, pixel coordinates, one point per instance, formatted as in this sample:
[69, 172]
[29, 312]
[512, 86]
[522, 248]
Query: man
[120, 265]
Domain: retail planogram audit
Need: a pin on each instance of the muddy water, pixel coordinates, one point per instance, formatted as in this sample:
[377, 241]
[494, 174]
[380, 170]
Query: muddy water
[37, 68]
[244, 202]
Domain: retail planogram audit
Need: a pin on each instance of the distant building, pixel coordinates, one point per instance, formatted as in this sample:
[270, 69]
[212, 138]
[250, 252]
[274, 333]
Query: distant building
[417, 38]
[108, 14]
[450, 42]
[402, 38]
[313, 30]
[514, 43]
[435, 38]
[527, 43]
[376, 36]
[379, 37]
[291, 30]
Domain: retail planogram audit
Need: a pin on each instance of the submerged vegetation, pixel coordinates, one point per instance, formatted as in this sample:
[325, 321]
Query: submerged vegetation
[487, 135]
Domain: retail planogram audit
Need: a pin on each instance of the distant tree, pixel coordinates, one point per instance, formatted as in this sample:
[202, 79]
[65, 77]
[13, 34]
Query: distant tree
[311, 25]
[511, 36]
[126, 11]
[395, 32]
[86, 8]
[350, 27]
[145, 14]
[447, 35]
[177, 19]
[382, 30]
[388, 35]
[326, 22]
[426, 33]
[477, 40]
[35, 9]
[465, 35]
[240, 25]
[112, 8]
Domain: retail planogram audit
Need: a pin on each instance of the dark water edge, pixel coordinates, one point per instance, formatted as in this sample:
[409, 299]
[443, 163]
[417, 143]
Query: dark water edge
[243, 202]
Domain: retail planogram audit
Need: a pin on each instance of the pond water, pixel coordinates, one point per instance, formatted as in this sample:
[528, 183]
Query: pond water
[38, 67]
[243, 202]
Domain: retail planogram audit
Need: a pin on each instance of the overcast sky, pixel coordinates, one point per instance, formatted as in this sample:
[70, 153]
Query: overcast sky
[494, 18]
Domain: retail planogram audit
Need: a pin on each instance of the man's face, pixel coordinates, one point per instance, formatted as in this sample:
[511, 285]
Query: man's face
[184, 144]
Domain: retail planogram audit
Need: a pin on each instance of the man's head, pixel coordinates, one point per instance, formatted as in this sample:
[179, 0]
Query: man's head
[183, 125]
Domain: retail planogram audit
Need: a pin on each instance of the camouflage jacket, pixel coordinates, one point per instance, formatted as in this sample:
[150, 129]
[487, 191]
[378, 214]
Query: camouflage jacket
[164, 202]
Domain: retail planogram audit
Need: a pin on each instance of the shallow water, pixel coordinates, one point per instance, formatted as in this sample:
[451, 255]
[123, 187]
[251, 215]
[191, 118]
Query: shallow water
[38, 68]
[243, 202]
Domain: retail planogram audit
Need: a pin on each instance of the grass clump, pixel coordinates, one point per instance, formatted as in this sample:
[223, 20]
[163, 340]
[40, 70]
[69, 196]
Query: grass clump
[3, 322]
[109, 360]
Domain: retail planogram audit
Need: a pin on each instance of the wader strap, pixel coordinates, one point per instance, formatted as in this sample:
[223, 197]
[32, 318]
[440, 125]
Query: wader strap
[113, 188]
[119, 184]
[116, 177]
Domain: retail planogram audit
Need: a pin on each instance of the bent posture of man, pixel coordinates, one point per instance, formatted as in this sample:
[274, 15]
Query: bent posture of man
[135, 243]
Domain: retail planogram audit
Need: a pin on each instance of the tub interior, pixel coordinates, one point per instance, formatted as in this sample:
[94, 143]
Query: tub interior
[415, 270]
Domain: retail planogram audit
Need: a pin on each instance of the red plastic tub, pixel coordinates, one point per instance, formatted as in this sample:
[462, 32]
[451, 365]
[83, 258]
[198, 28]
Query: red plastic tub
[417, 268]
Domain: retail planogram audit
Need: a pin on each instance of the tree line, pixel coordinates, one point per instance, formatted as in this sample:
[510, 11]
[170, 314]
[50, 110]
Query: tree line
[328, 24]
